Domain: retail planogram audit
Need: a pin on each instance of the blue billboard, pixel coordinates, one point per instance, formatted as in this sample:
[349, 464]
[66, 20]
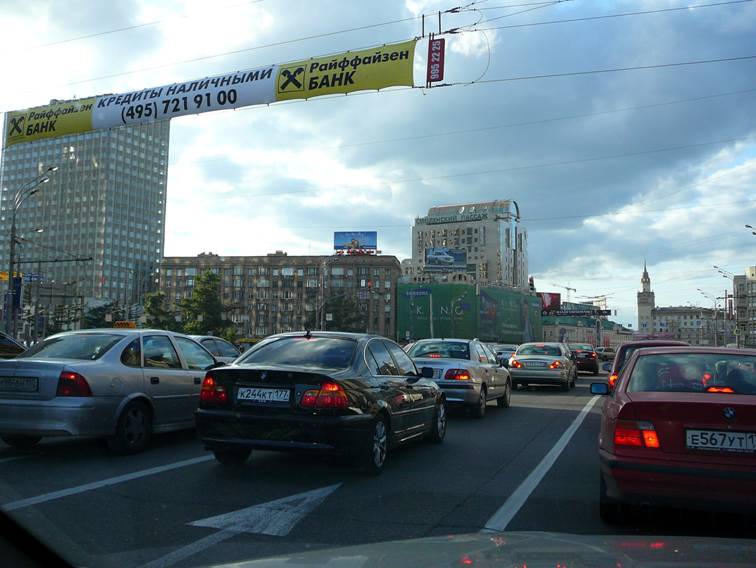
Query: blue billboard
[442, 259]
[355, 240]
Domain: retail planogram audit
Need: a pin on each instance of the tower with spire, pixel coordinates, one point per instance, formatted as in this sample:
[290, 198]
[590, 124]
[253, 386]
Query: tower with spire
[646, 303]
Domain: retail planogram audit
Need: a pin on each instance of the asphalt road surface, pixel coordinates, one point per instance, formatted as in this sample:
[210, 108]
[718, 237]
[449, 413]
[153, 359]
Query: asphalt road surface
[532, 466]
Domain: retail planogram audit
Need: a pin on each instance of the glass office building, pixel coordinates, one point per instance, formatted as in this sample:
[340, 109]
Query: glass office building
[106, 203]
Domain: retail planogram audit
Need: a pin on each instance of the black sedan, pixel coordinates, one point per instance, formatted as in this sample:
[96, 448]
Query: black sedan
[326, 392]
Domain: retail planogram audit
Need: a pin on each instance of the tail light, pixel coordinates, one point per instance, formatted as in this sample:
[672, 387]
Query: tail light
[593, 355]
[515, 364]
[457, 375]
[72, 384]
[212, 392]
[637, 434]
[613, 380]
[555, 365]
[726, 390]
[330, 395]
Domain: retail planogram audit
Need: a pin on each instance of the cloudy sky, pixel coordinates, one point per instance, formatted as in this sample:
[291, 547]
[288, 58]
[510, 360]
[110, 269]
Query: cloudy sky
[609, 169]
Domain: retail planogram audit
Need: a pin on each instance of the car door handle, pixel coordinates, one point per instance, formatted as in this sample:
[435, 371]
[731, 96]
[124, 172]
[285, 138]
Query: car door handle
[197, 380]
[154, 380]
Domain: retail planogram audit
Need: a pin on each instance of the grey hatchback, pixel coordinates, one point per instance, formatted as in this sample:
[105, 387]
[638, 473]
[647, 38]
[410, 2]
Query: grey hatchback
[118, 384]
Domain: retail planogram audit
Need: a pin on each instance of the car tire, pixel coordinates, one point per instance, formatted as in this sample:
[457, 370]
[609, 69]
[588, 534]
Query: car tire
[21, 441]
[506, 400]
[611, 511]
[134, 429]
[232, 457]
[438, 429]
[375, 452]
[574, 380]
[479, 410]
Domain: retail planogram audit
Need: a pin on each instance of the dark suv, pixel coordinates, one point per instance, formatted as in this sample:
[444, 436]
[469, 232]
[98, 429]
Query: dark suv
[627, 349]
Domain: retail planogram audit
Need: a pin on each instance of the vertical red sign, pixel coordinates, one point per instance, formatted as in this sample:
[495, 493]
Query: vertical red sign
[436, 60]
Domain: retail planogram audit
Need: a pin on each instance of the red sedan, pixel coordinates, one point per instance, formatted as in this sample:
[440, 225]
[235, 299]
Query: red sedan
[680, 430]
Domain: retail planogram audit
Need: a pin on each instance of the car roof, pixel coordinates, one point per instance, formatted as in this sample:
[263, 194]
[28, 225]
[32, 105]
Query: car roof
[126, 332]
[335, 334]
[446, 339]
[654, 343]
[549, 343]
[671, 350]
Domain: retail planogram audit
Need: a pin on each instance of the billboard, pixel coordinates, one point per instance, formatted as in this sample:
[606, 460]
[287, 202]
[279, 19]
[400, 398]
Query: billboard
[355, 240]
[443, 259]
[390, 65]
[550, 302]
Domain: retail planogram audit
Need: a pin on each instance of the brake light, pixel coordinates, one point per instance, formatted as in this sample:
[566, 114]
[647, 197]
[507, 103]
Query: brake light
[457, 375]
[555, 365]
[636, 434]
[330, 395]
[434, 355]
[726, 390]
[515, 364]
[72, 384]
[212, 392]
[593, 355]
[613, 380]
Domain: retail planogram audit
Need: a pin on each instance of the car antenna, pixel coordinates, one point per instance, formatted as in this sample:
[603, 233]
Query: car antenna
[308, 335]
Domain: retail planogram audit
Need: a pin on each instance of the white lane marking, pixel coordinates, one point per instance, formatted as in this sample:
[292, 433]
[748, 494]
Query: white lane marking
[499, 521]
[276, 518]
[44, 498]
[14, 458]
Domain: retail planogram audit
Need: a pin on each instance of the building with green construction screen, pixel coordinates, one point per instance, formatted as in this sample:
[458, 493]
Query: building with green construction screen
[468, 311]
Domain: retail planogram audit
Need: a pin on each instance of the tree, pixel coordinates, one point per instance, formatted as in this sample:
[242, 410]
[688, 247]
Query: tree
[157, 313]
[346, 314]
[95, 317]
[203, 312]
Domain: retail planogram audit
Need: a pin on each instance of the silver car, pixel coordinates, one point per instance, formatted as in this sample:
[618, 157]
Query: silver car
[543, 364]
[118, 384]
[221, 349]
[466, 370]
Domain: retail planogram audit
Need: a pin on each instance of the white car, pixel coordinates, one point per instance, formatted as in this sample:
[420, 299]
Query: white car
[439, 257]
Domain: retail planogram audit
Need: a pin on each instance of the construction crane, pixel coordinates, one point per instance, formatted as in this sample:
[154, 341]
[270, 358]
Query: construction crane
[569, 290]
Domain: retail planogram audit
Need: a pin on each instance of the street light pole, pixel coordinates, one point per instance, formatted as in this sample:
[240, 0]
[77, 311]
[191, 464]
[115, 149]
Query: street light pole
[24, 192]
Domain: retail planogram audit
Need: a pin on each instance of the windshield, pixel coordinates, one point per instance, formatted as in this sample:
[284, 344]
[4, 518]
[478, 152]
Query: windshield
[440, 350]
[551, 350]
[89, 346]
[733, 374]
[395, 228]
[313, 352]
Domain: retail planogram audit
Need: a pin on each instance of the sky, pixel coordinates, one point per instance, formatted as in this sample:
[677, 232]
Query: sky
[609, 169]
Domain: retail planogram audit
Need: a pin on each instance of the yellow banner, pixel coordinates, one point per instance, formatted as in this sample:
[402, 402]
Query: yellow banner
[49, 121]
[369, 69]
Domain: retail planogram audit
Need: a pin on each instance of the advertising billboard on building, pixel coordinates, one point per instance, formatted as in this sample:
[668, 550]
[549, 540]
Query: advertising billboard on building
[550, 302]
[355, 240]
[442, 259]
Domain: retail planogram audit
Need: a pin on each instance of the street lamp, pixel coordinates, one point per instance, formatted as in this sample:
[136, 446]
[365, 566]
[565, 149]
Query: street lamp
[24, 192]
[753, 229]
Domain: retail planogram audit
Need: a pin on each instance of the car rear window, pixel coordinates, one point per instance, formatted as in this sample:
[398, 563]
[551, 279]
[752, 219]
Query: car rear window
[551, 350]
[84, 346]
[313, 352]
[694, 372]
[440, 350]
[581, 347]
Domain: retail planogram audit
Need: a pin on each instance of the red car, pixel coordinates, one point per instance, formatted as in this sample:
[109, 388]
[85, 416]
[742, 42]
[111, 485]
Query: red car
[627, 349]
[587, 358]
[680, 430]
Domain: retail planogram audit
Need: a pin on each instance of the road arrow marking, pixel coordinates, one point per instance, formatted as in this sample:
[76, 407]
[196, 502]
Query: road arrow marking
[276, 518]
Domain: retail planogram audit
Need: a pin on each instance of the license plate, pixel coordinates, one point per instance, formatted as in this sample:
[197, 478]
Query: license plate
[19, 384]
[535, 363]
[720, 441]
[251, 394]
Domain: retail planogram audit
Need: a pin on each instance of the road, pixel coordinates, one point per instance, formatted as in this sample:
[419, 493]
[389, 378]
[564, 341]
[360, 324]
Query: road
[516, 469]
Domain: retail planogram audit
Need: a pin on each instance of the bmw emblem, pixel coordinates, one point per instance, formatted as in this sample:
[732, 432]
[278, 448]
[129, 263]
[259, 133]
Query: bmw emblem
[729, 412]
[264, 375]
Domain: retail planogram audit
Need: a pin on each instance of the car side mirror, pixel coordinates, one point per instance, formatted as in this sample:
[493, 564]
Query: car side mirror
[573, 356]
[504, 363]
[426, 372]
[599, 388]
[607, 367]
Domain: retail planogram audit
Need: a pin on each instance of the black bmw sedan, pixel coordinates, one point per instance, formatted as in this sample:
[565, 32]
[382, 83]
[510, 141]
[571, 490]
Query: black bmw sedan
[331, 392]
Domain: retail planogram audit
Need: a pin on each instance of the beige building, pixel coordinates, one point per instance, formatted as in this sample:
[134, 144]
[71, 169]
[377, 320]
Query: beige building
[279, 293]
[490, 234]
[744, 293]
